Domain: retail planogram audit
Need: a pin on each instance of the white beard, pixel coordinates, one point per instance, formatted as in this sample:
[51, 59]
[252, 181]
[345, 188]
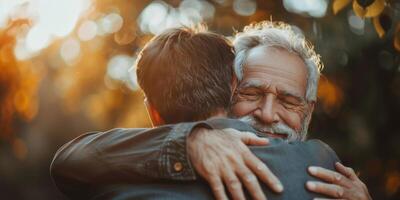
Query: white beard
[279, 128]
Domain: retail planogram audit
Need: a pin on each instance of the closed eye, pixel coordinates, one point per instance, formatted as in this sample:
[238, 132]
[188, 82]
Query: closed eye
[250, 94]
[291, 102]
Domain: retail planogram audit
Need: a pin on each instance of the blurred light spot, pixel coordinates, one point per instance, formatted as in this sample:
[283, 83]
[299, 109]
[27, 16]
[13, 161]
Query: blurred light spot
[313, 8]
[221, 2]
[203, 8]
[118, 69]
[37, 39]
[330, 95]
[59, 17]
[70, 50]
[158, 15]
[172, 20]
[392, 182]
[111, 23]
[50, 19]
[152, 17]
[21, 51]
[188, 16]
[87, 30]
[8, 8]
[356, 23]
[245, 7]
[100, 30]
[118, 66]
[19, 148]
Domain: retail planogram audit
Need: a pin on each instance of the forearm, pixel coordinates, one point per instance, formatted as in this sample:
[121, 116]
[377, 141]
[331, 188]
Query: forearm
[124, 156]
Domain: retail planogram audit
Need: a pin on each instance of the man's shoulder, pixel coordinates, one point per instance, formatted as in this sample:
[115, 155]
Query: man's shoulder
[312, 146]
[317, 147]
[312, 143]
[222, 123]
[311, 150]
[322, 149]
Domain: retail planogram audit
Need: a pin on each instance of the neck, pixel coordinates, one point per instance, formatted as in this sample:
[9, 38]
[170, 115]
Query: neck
[220, 113]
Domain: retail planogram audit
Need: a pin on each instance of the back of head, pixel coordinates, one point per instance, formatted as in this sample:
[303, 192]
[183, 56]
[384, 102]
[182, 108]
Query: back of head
[186, 74]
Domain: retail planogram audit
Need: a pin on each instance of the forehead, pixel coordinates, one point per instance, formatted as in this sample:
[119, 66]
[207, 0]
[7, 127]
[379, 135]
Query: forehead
[276, 67]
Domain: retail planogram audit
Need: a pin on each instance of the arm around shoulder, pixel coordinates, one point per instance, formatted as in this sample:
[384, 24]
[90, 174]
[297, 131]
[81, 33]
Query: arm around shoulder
[123, 155]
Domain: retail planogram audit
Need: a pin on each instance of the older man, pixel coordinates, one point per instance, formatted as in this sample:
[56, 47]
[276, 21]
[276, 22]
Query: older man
[277, 98]
[278, 75]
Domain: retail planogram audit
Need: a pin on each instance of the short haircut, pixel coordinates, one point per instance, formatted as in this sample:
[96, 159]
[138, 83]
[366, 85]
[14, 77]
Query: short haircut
[278, 35]
[186, 73]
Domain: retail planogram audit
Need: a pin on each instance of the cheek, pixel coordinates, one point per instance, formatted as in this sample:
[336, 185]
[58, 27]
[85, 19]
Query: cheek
[292, 119]
[242, 109]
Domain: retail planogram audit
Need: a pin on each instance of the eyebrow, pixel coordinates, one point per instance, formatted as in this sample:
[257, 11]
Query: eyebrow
[253, 84]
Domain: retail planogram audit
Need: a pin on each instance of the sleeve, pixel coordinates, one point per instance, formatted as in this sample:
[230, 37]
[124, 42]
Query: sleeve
[124, 156]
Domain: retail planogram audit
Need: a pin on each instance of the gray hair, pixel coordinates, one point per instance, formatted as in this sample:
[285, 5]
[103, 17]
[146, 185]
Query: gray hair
[280, 35]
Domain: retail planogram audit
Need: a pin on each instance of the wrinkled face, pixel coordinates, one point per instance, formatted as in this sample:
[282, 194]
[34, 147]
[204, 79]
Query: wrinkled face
[271, 95]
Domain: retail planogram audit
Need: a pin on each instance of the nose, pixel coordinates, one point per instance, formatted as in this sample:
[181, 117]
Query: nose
[266, 111]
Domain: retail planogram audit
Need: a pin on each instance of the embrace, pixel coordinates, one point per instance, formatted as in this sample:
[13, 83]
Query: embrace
[230, 122]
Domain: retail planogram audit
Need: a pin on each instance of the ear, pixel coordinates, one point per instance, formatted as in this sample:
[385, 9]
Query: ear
[155, 116]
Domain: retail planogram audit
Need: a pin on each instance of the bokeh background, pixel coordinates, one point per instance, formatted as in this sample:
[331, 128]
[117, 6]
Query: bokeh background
[64, 70]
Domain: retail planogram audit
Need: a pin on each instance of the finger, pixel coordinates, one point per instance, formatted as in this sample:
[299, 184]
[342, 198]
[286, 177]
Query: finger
[329, 176]
[251, 139]
[262, 171]
[248, 138]
[347, 171]
[250, 182]
[325, 188]
[233, 184]
[217, 187]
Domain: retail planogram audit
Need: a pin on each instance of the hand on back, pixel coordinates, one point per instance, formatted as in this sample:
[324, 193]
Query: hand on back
[223, 159]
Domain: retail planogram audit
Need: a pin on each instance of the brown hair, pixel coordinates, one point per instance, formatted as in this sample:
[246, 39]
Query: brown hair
[186, 74]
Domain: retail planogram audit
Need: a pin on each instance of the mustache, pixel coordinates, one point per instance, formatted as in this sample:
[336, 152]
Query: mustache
[277, 128]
